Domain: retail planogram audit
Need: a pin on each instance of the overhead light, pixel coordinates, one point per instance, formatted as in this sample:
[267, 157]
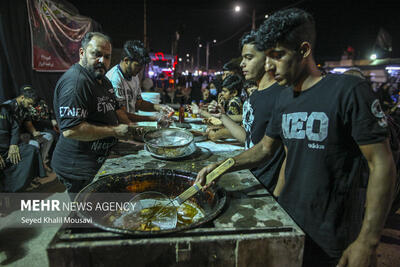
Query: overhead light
[200, 45]
[373, 57]
[180, 59]
[266, 16]
[214, 41]
[392, 68]
[341, 70]
[237, 8]
[187, 55]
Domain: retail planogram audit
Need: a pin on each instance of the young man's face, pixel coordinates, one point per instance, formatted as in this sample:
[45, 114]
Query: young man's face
[252, 63]
[134, 68]
[285, 65]
[96, 58]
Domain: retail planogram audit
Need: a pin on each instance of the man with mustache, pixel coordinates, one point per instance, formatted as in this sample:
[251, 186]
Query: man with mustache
[327, 124]
[126, 83]
[87, 113]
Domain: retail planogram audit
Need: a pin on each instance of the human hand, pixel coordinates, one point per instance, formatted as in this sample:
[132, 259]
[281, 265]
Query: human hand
[2, 163]
[135, 130]
[212, 107]
[221, 100]
[359, 254]
[194, 108]
[201, 176]
[213, 135]
[39, 137]
[121, 130]
[56, 129]
[166, 109]
[13, 154]
[213, 121]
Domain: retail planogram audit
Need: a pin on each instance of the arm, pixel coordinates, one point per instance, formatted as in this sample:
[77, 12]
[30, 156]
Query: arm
[88, 132]
[123, 116]
[250, 158]
[235, 129]
[216, 134]
[362, 252]
[236, 118]
[144, 105]
[31, 129]
[13, 151]
[281, 179]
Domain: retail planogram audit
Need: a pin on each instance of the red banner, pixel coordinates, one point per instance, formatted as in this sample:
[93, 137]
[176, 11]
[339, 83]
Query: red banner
[56, 34]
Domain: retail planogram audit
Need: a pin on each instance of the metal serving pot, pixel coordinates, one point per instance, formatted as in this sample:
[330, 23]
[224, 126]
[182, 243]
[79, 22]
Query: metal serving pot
[169, 143]
[123, 187]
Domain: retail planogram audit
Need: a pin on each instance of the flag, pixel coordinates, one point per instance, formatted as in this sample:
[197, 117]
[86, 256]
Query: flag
[56, 34]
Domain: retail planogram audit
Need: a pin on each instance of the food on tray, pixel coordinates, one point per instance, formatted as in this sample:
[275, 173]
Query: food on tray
[149, 218]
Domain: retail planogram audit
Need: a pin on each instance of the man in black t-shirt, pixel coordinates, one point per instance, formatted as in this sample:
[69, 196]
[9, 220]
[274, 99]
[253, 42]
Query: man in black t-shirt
[327, 124]
[88, 115]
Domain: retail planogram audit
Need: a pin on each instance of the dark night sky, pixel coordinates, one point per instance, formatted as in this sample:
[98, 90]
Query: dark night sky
[339, 24]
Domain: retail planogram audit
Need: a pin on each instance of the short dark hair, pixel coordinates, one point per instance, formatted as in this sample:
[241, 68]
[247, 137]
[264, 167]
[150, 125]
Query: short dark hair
[135, 51]
[233, 83]
[28, 92]
[248, 38]
[89, 35]
[233, 65]
[289, 27]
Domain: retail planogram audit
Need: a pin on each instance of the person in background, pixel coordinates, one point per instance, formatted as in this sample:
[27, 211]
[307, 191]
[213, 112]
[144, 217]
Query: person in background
[232, 67]
[126, 83]
[230, 95]
[185, 96]
[207, 97]
[327, 124]
[42, 126]
[20, 163]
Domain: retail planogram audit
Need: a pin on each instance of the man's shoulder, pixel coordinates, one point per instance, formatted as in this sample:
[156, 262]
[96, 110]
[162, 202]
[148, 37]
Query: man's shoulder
[114, 75]
[74, 79]
[344, 81]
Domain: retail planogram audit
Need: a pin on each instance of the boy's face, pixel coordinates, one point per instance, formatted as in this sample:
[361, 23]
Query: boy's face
[227, 95]
[285, 65]
[252, 63]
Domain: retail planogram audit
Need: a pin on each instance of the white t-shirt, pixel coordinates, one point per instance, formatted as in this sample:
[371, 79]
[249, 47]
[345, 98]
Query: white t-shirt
[126, 91]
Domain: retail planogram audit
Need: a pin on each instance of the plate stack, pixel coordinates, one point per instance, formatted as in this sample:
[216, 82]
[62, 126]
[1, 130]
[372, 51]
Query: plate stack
[151, 97]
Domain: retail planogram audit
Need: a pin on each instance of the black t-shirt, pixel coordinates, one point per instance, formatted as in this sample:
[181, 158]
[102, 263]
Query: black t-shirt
[258, 111]
[322, 128]
[78, 97]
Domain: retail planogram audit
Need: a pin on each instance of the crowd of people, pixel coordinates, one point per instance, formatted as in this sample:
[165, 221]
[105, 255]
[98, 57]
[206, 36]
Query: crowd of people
[309, 137]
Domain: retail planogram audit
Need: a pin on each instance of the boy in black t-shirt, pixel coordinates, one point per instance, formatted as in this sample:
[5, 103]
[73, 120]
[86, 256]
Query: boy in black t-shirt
[257, 111]
[327, 124]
